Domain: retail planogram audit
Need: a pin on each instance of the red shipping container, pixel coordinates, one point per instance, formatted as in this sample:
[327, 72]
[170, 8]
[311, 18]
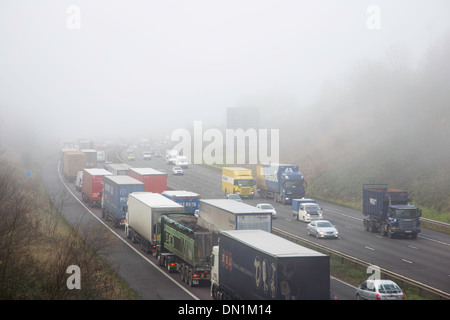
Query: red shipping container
[92, 185]
[154, 181]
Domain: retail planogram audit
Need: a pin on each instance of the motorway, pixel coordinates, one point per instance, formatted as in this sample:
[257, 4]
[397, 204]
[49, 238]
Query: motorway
[425, 259]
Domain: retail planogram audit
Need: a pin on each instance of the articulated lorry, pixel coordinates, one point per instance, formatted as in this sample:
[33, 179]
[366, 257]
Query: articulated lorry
[185, 246]
[254, 264]
[388, 211]
[282, 182]
[118, 169]
[225, 214]
[154, 180]
[73, 161]
[92, 186]
[142, 213]
[238, 180]
[115, 197]
[189, 200]
[306, 210]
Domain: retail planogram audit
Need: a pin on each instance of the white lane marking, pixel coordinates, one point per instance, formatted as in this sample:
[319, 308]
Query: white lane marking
[407, 261]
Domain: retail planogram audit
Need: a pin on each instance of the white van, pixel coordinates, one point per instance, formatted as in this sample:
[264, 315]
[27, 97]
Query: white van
[79, 181]
[181, 161]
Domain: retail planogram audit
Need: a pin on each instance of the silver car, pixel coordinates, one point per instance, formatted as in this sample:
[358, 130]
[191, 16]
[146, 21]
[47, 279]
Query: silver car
[267, 207]
[177, 171]
[322, 229]
[379, 290]
[234, 196]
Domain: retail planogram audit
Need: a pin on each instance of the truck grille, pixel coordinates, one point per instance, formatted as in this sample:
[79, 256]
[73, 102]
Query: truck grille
[407, 224]
[245, 191]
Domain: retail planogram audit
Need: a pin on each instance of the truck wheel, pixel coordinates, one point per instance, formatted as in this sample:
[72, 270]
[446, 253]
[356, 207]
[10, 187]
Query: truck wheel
[384, 230]
[214, 292]
[182, 276]
[145, 246]
[390, 234]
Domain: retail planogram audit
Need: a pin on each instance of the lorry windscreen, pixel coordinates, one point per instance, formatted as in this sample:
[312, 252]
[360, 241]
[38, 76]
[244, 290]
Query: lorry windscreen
[244, 182]
[312, 208]
[406, 213]
[293, 184]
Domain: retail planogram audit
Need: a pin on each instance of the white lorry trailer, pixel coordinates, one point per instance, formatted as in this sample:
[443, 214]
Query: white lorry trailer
[225, 214]
[142, 213]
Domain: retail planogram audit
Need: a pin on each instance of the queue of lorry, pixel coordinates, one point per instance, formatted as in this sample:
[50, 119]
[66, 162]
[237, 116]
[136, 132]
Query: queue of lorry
[185, 233]
[229, 243]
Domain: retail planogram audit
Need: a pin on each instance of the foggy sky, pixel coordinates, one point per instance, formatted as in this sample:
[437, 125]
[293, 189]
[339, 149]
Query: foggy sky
[134, 67]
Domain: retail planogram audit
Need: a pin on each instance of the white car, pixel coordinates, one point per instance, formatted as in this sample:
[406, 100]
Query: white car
[234, 196]
[177, 171]
[322, 229]
[379, 290]
[146, 155]
[267, 207]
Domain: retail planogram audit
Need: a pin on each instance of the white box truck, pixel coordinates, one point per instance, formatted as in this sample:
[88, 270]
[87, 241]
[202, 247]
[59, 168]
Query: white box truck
[226, 214]
[142, 213]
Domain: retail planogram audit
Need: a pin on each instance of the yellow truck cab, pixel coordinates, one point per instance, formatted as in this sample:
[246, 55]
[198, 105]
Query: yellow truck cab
[239, 181]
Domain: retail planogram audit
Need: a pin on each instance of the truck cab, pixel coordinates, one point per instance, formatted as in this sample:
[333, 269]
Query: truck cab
[308, 212]
[239, 181]
[403, 219]
[292, 186]
[215, 273]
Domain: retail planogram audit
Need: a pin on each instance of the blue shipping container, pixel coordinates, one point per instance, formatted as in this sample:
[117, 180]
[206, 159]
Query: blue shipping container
[115, 196]
[189, 200]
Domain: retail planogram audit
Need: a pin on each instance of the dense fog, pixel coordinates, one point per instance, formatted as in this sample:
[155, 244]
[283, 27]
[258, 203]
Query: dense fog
[119, 69]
